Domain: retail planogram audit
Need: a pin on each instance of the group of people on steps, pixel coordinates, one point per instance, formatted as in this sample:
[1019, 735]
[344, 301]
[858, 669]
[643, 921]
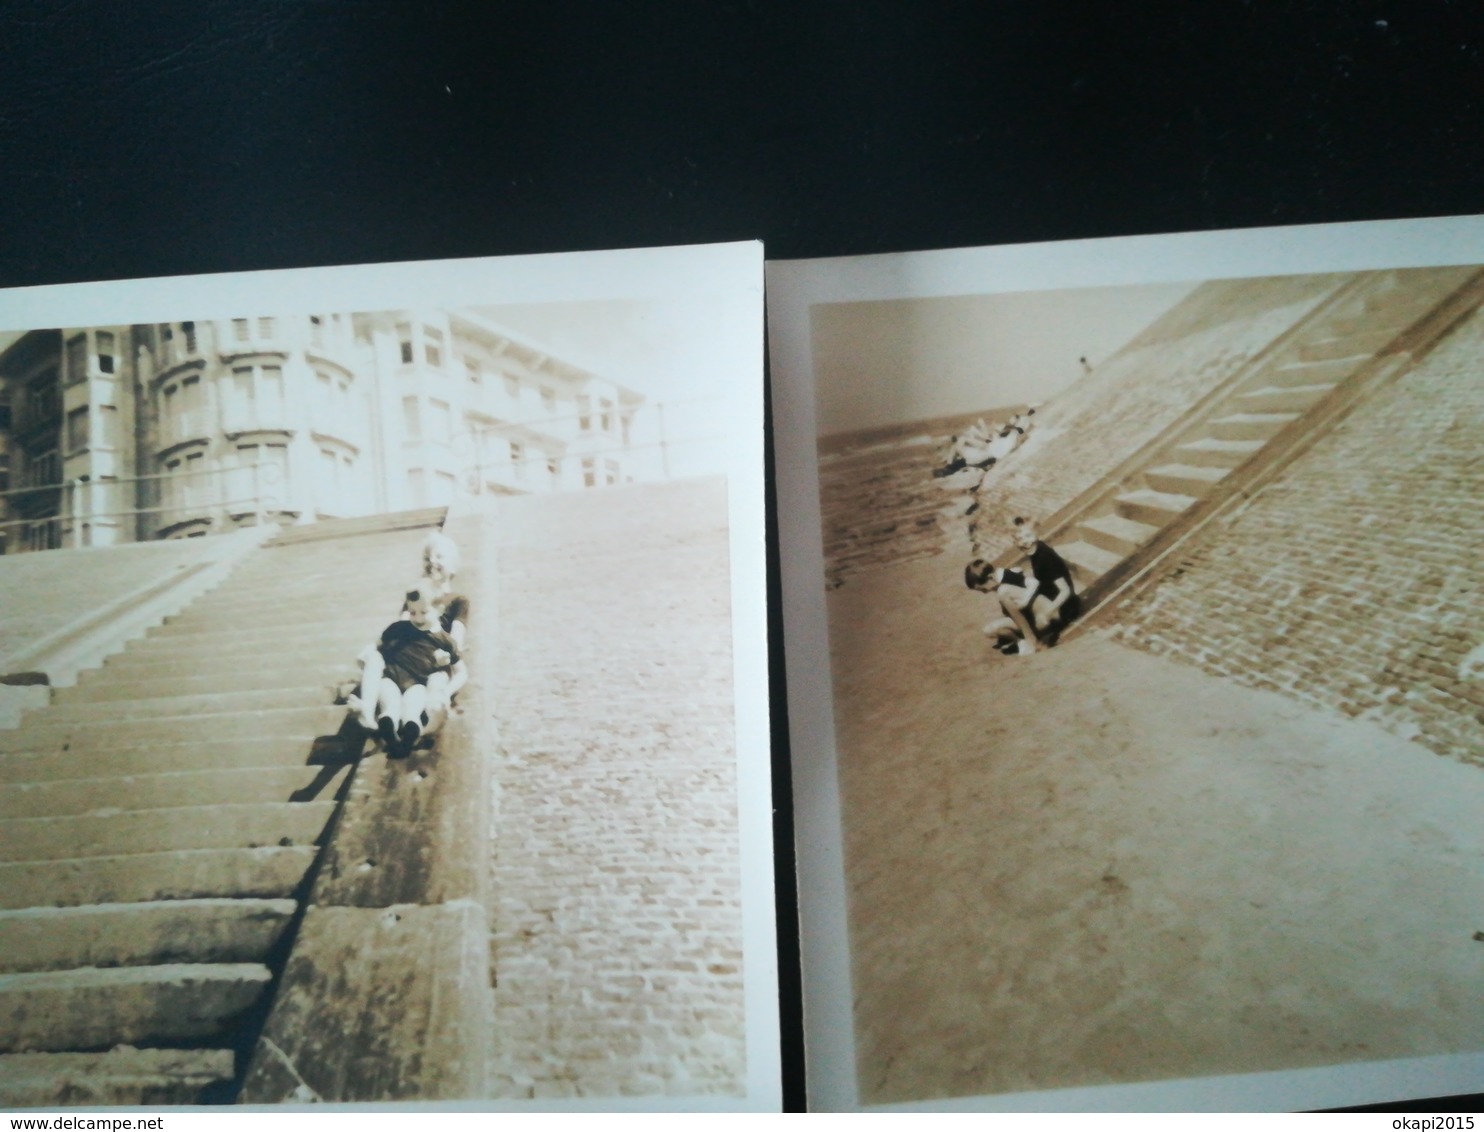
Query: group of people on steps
[411, 674]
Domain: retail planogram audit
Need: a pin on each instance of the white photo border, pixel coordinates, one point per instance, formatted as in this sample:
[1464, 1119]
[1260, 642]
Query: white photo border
[794, 287]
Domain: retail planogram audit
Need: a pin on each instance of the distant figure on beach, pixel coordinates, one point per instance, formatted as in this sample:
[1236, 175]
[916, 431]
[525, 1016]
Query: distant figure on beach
[1037, 597]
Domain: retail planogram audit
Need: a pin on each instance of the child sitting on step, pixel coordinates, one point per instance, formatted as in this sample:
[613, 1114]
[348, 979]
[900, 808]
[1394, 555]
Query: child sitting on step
[421, 671]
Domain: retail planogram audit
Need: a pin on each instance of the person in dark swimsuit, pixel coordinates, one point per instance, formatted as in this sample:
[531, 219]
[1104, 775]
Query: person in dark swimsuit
[1038, 598]
[440, 561]
[421, 668]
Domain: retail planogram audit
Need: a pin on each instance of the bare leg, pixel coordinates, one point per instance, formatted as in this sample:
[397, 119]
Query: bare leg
[1001, 630]
[364, 705]
[413, 702]
[1014, 612]
[437, 704]
[388, 709]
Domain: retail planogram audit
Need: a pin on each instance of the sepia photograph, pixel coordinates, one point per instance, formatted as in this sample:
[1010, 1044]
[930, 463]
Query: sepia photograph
[383, 700]
[1153, 654]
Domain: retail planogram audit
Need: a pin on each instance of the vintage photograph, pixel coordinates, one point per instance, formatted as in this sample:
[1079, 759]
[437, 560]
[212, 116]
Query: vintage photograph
[372, 687]
[1155, 647]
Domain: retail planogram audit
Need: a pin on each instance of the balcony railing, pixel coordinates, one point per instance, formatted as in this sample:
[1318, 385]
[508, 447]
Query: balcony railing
[213, 496]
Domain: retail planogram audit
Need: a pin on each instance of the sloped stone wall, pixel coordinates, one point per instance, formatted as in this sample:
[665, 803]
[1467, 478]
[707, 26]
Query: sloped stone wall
[881, 506]
[40, 597]
[1090, 428]
[1354, 580]
[617, 931]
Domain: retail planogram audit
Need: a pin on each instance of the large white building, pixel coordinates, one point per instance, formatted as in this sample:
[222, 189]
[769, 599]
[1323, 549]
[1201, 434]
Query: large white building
[121, 433]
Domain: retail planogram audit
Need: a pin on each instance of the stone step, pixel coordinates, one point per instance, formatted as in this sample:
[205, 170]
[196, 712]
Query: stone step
[1157, 508]
[1281, 399]
[1357, 347]
[123, 1076]
[49, 734]
[1213, 453]
[216, 930]
[1329, 372]
[145, 757]
[1399, 304]
[1390, 322]
[252, 624]
[171, 789]
[1115, 534]
[205, 703]
[232, 825]
[423, 519]
[148, 660]
[94, 687]
[273, 874]
[103, 1007]
[1250, 426]
[244, 643]
[307, 607]
[1088, 562]
[1197, 480]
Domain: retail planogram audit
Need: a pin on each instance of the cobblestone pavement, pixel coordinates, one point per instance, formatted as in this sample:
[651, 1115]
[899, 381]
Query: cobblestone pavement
[617, 934]
[1352, 582]
[1095, 865]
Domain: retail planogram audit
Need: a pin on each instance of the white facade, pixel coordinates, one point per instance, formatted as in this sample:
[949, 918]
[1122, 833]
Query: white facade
[112, 434]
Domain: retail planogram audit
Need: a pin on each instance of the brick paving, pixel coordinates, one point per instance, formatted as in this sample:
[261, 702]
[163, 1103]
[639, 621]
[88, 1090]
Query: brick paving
[617, 933]
[1352, 582]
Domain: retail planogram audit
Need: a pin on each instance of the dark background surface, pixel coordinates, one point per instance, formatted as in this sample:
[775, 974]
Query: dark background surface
[179, 138]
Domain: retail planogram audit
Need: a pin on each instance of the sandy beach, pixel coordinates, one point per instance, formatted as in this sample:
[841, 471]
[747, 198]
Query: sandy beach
[1095, 865]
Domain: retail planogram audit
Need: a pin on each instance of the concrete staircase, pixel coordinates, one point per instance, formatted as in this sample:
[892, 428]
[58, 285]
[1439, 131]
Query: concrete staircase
[162, 820]
[1111, 533]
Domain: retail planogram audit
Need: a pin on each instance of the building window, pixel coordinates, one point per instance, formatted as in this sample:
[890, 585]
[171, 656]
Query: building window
[584, 412]
[471, 368]
[607, 408]
[404, 342]
[443, 488]
[189, 330]
[548, 399]
[329, 486]
[410, 419]
[105, 351]
[240, 330]
[193, 483]
[589, 472]
[417, 487]
[266, 327]
[77, 430]
[257, 399]
[77, 359]
[433, 346]
[440, 421]
[610, 472]
[316, 330]
[109, 434]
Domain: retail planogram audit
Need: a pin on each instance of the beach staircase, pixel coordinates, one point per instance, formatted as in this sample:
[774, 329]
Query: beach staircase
[161, 822]
[1115, 535]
